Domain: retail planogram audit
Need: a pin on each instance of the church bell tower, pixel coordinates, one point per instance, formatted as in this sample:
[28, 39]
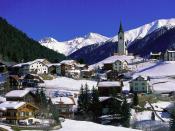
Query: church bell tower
[122, 49]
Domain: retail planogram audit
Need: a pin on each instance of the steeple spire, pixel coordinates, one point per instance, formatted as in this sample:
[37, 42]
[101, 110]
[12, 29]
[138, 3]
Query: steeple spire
[121, 27]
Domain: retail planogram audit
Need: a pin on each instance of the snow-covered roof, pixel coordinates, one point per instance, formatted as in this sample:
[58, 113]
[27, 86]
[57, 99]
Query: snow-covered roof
[29, 63]
[109, 84]
[11, 105]
[171, 51]
[73, 71]
[101, 99]
[159, 53]
[17, 93]
[69, 62]
[73, 125]
[2, 99]
[63, 100]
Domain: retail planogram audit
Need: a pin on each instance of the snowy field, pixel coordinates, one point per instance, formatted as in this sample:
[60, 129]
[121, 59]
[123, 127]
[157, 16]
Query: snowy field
[64, 83]
[72, 125]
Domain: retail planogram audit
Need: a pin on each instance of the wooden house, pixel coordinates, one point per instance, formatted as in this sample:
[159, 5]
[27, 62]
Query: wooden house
[15, 82]
[32, 80]
[20, 95]
[64, 106]
[14, 111]
[107, 88]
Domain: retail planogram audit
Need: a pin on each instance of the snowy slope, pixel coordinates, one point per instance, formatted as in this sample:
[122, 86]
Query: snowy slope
[68, 47]
[72, 125]
[64, 83]
[146, 29]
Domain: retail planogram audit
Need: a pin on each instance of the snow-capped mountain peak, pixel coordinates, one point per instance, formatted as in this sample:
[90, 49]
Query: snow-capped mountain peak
[146, 29]
[68, 47]
[48, 40]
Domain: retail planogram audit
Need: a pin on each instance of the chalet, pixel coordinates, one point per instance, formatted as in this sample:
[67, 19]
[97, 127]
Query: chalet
[38, 66]
[15, 82]
[106, 103]
[156, 56]
[65, 65]
[118, 65]
[32, 80]
[64, 106]
[169, 55]
[87, 73]
[14, 111]
[20, 95]
[112, 75]
[107, 88]
[140, 85]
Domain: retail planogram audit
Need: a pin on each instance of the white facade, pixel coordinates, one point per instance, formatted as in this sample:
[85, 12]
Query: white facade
[169, 55]
[140, 85]
[120, 65]
[36, 67]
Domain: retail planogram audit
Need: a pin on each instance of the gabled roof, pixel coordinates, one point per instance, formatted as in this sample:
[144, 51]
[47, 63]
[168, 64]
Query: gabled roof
[11, 105]
[68, 62]
[17, 93]
[63, 100]
[109, 84]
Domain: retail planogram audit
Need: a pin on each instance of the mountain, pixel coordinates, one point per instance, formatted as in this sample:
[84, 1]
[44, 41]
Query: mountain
[146, 29]
[68, 47]
[137, 41]
[17, 46]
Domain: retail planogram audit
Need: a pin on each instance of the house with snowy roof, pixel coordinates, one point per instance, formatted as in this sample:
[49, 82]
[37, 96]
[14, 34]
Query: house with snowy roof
[106, 103]
[64, 106]
[38, 66]
[13, 111]
[21, 95]
[169, 55]
[106, 88]
[118, 65]
[140, 84]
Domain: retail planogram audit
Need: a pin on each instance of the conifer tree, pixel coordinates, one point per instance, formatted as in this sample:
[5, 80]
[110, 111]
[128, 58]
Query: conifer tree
[125, 113]
[81, 100]
[95, 104]
[135, 99]
[172, 121]
[87, 98]
[153, 116]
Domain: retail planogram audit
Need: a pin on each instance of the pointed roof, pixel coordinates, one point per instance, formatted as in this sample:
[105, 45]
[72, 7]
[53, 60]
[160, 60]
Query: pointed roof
[121, 28]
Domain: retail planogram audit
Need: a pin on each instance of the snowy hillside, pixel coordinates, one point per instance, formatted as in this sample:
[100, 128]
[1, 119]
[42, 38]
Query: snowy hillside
[68, 47]
[72, 125]
[146, 29]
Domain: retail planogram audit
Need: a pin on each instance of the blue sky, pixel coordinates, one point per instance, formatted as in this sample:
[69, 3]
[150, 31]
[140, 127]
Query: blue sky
[67, 19]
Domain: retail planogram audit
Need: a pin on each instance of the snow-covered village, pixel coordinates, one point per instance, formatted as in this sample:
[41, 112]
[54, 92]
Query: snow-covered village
[123, 82]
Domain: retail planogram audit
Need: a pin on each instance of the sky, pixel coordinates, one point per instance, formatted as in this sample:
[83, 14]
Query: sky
[68, 19]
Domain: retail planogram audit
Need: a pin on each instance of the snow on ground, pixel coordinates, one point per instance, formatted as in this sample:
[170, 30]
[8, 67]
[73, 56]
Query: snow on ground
[6, 127]
[64, 83]
[111, 59]
[72, 125]
[159, 106]
[156, 68]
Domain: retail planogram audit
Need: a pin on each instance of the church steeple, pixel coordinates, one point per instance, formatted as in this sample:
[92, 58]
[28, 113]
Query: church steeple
[121, 49]
[121, 28]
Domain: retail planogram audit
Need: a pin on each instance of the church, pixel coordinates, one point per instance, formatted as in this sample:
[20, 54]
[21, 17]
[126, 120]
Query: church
[122, 47]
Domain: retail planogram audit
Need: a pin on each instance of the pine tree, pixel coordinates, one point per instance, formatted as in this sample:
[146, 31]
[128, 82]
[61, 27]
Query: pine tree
[87, 98]
[81, 100]
[95, 104]
[125, 113]
[172, 121]
[153, 116]
[135, 99]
